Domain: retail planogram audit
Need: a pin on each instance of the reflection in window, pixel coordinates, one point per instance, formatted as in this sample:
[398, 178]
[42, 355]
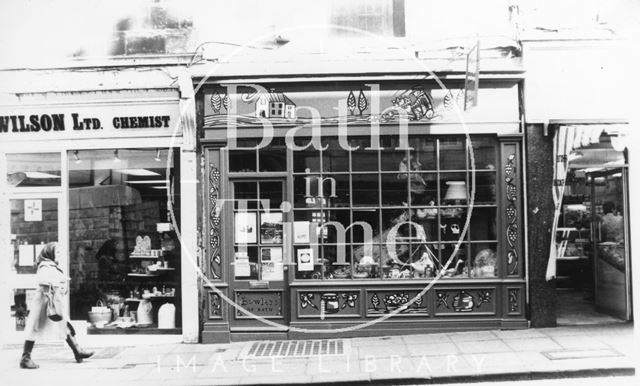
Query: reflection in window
[33, 169]
[34, 223]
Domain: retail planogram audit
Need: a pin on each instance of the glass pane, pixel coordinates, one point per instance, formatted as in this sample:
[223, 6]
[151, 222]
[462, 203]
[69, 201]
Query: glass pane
[363, 160]
[424, 153]
[308, 264]
[452, 153]
[366, 260]
[457, 267]
[33, 169]
[483, 263]
[246, 265]
[305, 226]
[271, 264]
[453, 189]
[271, 228]
[273, 191]
[485, 188]
[334, 158]
[370, 226]
[245, 195]
[391, 217]
[34, 222]
[273, 158]
[243, 160]
[395, 191]
[427, 218]
[483, 224]
[307, 160]
[336, 190]
[365, 189]
[484, 152]
[330, 234]
[390, 158]
[424, 189]
[452, 223]
[337, 261]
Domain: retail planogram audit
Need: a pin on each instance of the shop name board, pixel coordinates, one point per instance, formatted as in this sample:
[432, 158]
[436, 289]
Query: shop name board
[61, 122]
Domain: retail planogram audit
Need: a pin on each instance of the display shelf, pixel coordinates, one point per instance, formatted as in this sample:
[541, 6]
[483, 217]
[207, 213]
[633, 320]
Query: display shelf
[141, 275]
[165, 269]
[141, 256]
[150, 298]
[572, 258]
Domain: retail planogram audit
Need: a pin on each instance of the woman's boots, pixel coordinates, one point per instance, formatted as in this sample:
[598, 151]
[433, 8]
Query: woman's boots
[26, 362]
[78, 352]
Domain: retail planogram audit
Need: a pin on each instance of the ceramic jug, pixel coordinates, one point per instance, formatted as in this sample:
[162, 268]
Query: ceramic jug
[144, 313]
[167, 316]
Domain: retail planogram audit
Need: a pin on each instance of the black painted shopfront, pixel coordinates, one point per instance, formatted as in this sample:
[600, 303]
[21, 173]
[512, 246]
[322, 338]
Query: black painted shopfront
[360, 208]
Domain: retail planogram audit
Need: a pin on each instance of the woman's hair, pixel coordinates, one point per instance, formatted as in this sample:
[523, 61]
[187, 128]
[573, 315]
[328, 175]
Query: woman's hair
[47, 253]
[608, 207]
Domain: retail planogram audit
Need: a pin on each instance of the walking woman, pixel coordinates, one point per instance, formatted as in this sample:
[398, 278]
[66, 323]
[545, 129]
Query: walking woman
[50, 278]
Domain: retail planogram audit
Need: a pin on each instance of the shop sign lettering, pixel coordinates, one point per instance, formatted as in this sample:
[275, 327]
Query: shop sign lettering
[261, 303]
[61, 122]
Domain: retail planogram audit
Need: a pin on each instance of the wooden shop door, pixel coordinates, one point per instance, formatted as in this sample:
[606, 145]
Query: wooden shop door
[259, 272]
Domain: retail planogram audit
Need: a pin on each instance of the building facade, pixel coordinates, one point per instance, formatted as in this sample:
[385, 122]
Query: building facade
[379, 207]
[97, 160]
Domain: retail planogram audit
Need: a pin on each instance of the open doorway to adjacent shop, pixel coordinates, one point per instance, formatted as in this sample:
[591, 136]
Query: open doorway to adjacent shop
[593, 273]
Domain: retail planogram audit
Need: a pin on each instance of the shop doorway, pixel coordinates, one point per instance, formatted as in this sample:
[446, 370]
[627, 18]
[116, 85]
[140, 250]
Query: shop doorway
[259, 274]
[594, 281]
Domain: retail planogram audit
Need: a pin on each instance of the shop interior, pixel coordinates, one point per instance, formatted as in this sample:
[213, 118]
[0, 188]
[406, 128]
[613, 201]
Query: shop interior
[124, 253]
[592, 268]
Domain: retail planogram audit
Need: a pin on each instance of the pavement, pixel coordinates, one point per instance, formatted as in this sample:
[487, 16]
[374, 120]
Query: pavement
[579, 352]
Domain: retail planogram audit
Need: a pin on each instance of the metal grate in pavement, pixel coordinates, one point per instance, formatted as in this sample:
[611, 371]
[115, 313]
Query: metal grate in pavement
[294, 348]
[581, 354]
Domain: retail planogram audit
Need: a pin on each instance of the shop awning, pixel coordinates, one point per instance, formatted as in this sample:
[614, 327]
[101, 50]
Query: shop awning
[567, 139]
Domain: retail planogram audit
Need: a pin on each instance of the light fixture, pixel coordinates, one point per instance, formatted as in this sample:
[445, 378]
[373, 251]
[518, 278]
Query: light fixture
[457, 191]
[574, 156]
[157, 158]
[147, 182]
[76, 158]
[140, 172]
[40, 175]
[115, 156]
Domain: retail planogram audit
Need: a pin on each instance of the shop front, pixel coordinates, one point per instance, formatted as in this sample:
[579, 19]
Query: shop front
[102, 174]
[579, 148]
[360, 207]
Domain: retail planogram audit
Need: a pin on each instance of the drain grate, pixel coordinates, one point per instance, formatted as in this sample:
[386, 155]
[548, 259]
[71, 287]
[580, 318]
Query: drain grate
[295, 348]
[581, 354]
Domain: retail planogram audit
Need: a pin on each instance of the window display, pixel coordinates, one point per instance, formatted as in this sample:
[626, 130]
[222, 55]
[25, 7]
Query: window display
[124, 253]
[388, 213]
[414, 209]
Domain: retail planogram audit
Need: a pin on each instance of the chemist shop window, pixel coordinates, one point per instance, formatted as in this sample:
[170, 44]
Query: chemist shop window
[394, 213]
[123, 248]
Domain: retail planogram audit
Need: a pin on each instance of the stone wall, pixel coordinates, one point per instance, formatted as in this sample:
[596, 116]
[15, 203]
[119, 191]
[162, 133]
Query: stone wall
[97, 214]
[542, 294]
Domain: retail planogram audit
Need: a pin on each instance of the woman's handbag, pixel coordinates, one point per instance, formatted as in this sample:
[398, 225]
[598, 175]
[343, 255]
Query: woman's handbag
[54, 304]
